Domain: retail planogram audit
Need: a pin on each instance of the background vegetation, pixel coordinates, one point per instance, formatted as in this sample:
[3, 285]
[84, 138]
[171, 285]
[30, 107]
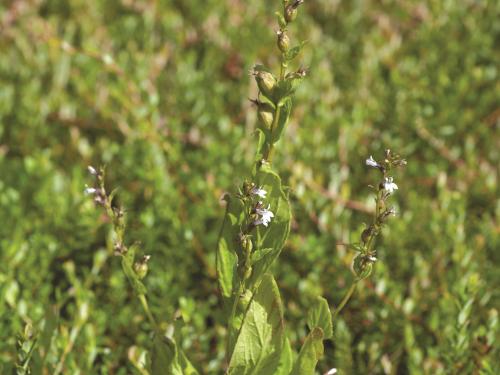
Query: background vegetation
[158, 91]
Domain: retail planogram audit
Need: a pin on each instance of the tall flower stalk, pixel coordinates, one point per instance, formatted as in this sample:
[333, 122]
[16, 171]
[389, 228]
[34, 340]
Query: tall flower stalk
[366, 254]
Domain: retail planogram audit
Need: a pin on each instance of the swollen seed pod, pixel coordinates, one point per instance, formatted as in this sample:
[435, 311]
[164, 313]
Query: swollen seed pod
[266, 82]
[266, 116]
[141, 267]
[265, 112]
[283, 41]
[362, 266]
[291, 11]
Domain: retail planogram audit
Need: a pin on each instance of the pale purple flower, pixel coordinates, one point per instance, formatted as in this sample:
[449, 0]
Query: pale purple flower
[92, 170]
[258, 191]
[389, 186]
[90, 190]
[265, 215]
[372, 163]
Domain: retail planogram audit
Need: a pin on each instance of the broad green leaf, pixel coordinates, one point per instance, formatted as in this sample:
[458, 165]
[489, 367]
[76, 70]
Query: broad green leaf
[261, 338]
[286, 360]
[310, 353]
[164, 357]
[319, 315]
[227, 258]
[274, 236]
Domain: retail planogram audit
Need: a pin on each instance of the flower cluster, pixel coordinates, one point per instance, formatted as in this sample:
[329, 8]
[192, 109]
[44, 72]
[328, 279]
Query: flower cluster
[252, 196]
[363, 262]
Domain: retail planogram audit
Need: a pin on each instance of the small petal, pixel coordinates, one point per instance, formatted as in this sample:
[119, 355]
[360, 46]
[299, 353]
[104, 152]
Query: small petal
[389, 185]
[372, 163]
[258, 191]
[331, 371]
[92, 170]
[90, 190]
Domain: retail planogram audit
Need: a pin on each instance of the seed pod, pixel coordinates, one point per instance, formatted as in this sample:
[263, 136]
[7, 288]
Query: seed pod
[141, 268]
[361, 266]
[366, 234]
[266, 82]
[265, 112]
[283, 41]
[291, 11]
[246, 244]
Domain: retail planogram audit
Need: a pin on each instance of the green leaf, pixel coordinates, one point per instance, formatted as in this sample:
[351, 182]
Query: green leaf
[187, 367]
[164, 357]
[127, 265]
[261, 338]
[274, 236]
[319, 315]
[310, 353]
[281, 20]
[259, 254]
[286, 109]
[293, 52]
[226, 257]
[261, 145]
[286, 360]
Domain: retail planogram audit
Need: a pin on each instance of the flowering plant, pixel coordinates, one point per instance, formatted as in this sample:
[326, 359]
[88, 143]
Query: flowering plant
[254, 230]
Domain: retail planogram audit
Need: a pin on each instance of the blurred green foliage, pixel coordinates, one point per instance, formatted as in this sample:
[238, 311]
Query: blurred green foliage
[158, 91]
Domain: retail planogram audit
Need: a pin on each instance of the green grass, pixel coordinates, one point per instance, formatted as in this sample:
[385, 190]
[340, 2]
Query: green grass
[158, 91]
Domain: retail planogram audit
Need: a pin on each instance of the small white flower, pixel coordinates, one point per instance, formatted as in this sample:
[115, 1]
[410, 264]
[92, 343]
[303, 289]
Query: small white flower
[331, 371]
[389, 186]
[372, 163]
[265, 215]
[258, 191]
[372, 258]
[92, 170]
[90, 190]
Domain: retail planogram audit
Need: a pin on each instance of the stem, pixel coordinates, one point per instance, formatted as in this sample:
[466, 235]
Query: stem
[229, 351]
[346, 298]
[268, 154]
[145, 306]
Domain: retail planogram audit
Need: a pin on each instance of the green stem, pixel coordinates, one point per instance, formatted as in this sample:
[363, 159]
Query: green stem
[268, 154]
[345, 299]
[145, 306]
[237, 297]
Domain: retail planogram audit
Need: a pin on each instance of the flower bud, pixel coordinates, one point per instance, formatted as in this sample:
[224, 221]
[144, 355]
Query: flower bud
[291, 10]
[141, 268]
[367, 233]
[246, 243]
[283, 41]
[266, 82]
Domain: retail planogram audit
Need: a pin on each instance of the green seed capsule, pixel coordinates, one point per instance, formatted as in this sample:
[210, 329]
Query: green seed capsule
[266, 116]
[283, 41]
[290, 13]
[265, 113]
[266, 82]
[362, 267]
